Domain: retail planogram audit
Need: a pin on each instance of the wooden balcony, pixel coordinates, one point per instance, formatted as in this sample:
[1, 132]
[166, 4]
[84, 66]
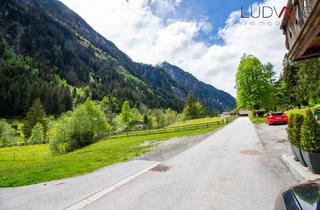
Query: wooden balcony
[301, 26]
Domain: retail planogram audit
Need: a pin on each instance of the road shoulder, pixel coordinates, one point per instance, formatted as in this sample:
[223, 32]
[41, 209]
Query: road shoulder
[75, 191]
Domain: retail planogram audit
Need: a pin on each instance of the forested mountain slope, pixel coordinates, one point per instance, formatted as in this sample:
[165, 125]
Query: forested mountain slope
[209, 95]
[61, 45]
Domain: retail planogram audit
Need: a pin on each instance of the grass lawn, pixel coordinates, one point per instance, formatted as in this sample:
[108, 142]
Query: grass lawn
[34, 164]
[197, 121]
[255, 119]
[258, 119]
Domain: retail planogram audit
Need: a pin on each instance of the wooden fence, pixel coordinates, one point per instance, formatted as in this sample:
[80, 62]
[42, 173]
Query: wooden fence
[172, 129]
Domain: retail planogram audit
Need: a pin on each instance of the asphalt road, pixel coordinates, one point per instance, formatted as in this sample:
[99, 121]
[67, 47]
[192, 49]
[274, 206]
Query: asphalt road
[232, 169]
[170, 148]
[275, 140]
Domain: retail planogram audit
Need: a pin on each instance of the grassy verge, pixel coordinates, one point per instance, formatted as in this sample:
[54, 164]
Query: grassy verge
[34, 164]
[197, 121]
[255, 119]
[258, 119]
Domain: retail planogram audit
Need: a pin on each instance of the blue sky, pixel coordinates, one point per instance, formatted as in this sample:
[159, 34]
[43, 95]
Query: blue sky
[204, 37]
[216, 12]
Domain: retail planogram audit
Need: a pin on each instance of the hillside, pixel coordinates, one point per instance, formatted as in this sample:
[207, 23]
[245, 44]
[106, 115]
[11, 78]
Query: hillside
[209, 95]
[63, 45]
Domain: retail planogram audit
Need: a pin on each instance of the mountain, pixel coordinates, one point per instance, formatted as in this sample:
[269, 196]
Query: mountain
[209, 95]
[65, 46]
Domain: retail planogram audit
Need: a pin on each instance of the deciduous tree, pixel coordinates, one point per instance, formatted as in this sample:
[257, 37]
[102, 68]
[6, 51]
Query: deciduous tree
[254, 84]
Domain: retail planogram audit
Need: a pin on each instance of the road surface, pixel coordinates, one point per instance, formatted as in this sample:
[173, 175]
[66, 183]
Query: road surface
[230, 170]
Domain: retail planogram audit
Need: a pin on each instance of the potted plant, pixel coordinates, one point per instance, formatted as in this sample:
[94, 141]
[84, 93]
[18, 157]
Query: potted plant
[310, 142]
[294, 135]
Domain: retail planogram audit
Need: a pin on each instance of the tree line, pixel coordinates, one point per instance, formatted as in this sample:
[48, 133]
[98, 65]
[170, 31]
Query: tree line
[23, 80]
[39, 127]
[297, 86]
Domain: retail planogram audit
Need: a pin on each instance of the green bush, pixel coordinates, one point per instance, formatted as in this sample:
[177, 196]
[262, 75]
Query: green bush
[60, 135]
[78, 130]
[7, 134]
[290, 129]
[310, 134]
[37, 135]
[296, 131]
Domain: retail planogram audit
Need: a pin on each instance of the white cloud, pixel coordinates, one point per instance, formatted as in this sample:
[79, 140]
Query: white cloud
[138, 28]
[164, 7]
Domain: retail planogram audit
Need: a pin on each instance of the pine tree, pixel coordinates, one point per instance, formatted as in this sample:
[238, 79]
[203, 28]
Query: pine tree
[55, 101]
[146, 120]
[193, 109]
[189, 107]
[35, 115]
[66, 100]
[2, 48]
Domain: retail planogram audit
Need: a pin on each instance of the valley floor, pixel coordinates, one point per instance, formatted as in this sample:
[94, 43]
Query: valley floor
[25, 165]
[233, 168]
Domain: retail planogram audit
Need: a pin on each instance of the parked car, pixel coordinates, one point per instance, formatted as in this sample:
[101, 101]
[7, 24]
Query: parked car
[276, 118]
[317, 114]
[304, 196]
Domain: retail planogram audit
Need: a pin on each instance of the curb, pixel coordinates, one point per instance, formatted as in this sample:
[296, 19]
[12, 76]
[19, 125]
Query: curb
[300, 172]
[88, 200]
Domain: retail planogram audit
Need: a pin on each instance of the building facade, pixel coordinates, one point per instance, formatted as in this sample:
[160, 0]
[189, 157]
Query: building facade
[301, 26]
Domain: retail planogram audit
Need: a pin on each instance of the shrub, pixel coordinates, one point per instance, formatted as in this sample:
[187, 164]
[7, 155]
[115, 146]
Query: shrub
[171, 116]
[290, 129]
[60, 136]
[310, 134]
[37, 135]
[296, 131]
[78, 130]
[7, 134]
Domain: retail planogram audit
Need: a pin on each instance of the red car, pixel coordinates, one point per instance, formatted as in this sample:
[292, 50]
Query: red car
[277, 118]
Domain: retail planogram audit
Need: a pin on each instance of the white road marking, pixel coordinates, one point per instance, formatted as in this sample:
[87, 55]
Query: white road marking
[113, 187]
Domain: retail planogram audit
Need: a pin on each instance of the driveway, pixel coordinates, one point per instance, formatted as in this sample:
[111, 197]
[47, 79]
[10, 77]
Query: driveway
[229, 170]
[275, 140]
